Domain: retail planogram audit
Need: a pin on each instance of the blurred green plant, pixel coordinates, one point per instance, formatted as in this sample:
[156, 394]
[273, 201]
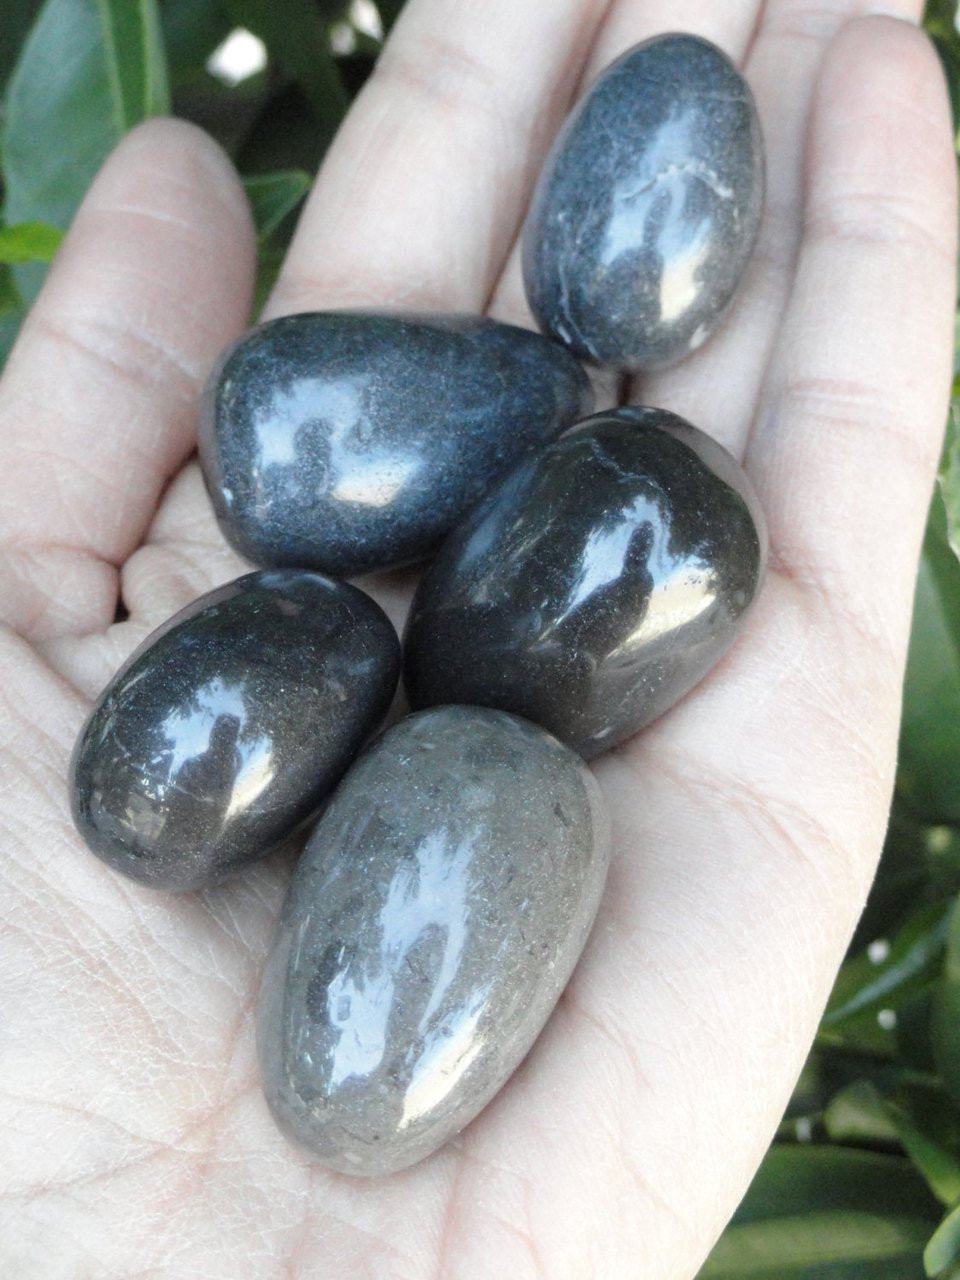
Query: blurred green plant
[863, 1181]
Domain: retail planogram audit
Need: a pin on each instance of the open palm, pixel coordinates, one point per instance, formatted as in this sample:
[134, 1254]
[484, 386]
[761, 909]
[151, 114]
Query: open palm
[133, 1137]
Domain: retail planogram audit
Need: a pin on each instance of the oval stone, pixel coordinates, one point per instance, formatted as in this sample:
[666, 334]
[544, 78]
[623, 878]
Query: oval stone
[430, 927]
[648, 206]
[596, 584]
[228, 727]
[352, 441]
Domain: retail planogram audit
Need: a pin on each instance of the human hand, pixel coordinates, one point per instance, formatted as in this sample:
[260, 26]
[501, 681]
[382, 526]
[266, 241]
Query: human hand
[133, 1137]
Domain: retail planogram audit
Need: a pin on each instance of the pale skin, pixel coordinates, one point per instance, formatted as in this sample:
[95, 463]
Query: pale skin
[133, 1138]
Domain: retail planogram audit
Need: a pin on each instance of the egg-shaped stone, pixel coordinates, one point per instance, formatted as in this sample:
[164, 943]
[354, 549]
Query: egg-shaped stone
[349, 441]
[647, 208]
[430, 926]
[596, 584]
[228, 727]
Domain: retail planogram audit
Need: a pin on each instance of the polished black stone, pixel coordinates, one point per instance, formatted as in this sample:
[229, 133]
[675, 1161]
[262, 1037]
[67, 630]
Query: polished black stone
[431, 924]
[352, 441]
[595, 585]
[647, 209]
[228, 727]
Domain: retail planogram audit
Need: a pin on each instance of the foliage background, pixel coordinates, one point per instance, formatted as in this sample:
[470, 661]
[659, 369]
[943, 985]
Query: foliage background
[863, 1182]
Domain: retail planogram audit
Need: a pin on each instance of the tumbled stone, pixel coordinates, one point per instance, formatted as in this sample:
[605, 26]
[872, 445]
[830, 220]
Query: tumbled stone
[430, 927]
[596, 584]
[352, 441]
[647, 209]
[229, 726]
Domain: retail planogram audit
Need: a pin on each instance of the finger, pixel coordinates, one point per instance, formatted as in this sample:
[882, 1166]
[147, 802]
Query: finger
[98, 403]
[782, 68]
[419, 197]
[851, 419]
[728, 25]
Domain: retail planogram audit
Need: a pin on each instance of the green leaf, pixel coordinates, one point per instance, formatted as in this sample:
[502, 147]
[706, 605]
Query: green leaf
[925, 1126]
[942, 1255]
[11, 304]
[949, 479]
[945, 1018]
[940, 21]
[863, 987]
[841, 1067]
[11, 312]
[831, 1070]
[29, 242]
[273, 196]
[9, 328]
[89, 70]
[857, 1115]
[929, 774]
[136, 62]
[821, 1246]
[940, 17]
[801, 1178]
[827, 1213]
[18, 15]
[918, 1118]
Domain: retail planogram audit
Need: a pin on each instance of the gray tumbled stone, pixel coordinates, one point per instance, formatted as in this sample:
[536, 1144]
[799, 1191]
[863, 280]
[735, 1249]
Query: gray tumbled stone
[647, 208]
[430, 927]
[228, 727]
[349, 441]
[596, 584]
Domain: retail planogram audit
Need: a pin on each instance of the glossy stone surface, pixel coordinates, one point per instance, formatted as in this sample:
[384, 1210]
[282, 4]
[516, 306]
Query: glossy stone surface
[352, 441]
[595, 585]
[229, 726]
[647, 209]
[430, 927]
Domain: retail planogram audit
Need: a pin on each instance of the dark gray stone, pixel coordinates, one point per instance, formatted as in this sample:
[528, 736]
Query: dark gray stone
[596, 584]
[647, 209]
[229, 726]
[431, 925]
[352, 441]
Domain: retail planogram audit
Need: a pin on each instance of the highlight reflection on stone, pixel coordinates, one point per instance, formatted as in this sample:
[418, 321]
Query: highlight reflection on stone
[595, 585]
[351, 441]
[647, 208]
[228, 727]
[430, 927]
